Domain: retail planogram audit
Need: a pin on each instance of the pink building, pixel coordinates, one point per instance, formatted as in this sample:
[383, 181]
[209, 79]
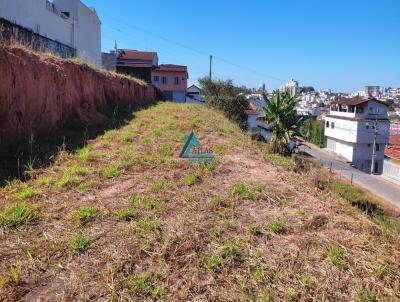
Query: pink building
[172, 81]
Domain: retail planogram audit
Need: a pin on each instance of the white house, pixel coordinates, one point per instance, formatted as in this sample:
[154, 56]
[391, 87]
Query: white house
[69, 22]
[353, 127]
[193, 94]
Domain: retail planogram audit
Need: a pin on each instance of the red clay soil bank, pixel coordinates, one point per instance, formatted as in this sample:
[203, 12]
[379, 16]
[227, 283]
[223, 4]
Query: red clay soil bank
[39, 94]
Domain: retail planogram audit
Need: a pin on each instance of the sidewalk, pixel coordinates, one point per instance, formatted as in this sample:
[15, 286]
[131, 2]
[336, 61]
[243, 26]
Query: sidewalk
[376, 184]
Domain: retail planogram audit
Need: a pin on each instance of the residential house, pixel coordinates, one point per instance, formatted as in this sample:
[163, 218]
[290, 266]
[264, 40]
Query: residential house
[354, 127]
[194, 94]
[171, 80]
[65, 27]
[138, 64]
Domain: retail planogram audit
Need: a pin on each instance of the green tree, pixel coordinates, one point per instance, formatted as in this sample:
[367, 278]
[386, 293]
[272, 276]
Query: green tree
[224, 96]
[280, 115]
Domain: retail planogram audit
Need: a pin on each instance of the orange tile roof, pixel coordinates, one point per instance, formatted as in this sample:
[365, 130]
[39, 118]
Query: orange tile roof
[393, 149]
[136, 55]
[171, 67]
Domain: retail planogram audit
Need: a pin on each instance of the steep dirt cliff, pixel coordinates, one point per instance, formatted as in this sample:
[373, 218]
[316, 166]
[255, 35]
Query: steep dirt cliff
[39, 93]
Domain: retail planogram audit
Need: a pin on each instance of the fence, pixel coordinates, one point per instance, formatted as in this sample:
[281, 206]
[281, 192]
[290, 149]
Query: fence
[11, 33]
[391, 170]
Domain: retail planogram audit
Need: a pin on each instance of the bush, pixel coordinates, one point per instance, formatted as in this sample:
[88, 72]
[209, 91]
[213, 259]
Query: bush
[314, 132]
[224, 96]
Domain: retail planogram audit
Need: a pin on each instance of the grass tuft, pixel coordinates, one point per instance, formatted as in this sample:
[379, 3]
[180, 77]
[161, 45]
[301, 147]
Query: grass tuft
[191, 179]
[80, 244]
[276, 226]
[124, 214]
[240, 189]
[144, 285]
[336, 255]
[85, 214]
[231, 250]
[16, 214]
[27, 193]
[364, 294]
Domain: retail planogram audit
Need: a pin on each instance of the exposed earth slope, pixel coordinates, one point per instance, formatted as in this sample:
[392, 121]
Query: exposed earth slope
[124, 219]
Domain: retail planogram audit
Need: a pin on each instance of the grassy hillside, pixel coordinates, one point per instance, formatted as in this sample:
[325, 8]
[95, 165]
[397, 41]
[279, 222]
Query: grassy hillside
[124, 219]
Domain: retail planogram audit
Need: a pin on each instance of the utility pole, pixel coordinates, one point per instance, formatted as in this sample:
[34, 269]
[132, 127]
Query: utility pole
[211, 57]
[374, 145]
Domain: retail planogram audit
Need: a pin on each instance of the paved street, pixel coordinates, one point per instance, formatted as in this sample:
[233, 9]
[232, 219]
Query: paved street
[376, 184]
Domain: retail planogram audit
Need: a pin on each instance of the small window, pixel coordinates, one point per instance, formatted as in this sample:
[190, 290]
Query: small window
[156, 78]
[164, 80]
[177, 80]
[333, 125]
[327, 124]
[377, 147]
[367, 126]
[369, 145]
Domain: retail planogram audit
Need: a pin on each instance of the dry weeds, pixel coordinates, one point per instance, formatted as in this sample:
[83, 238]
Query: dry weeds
[192, 241]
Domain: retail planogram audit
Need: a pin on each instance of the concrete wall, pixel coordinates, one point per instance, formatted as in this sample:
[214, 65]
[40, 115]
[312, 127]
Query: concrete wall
[391, 170]
[81, 31]
[341, 148]
[356, 131]
[39, 94]
[170, 75]
[34, 15]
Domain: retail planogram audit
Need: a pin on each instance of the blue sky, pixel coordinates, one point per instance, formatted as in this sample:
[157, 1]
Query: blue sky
[338, 44]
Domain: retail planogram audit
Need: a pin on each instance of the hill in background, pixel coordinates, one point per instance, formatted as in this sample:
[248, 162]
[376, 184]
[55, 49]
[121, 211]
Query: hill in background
[124, 219]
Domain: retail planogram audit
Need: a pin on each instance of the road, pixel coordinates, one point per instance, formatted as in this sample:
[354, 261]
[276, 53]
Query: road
[374, 183]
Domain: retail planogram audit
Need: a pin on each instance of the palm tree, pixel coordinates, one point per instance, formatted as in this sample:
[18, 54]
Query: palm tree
[280, 115]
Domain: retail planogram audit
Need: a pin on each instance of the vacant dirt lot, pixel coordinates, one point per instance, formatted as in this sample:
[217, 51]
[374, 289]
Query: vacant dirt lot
[124, 219]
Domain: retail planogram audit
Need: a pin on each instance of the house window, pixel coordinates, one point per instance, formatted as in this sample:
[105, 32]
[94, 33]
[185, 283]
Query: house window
[333, 125]
[367, 126]
[156, 78]
[177, 80]
[377, 147]
[327, 124]
[164, 80]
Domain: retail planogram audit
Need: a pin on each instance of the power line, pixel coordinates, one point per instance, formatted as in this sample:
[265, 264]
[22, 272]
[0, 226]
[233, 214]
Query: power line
[191, 48]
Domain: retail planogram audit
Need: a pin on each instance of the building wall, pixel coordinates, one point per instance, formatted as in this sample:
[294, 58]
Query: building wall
[341, 148]
[170, 75]
[391, 170]
[82, 31]
[11, 33]
[356, 131]
[34, 15]
[88, 35]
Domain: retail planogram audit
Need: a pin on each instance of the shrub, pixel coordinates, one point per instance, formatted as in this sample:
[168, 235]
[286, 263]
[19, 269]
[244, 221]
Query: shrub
[80, 244]
[140, 202]
[224, 96]
[276, 226]
[16, 214]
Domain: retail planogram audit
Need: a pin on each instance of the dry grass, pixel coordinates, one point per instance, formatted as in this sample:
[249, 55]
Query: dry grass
[243, 229]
